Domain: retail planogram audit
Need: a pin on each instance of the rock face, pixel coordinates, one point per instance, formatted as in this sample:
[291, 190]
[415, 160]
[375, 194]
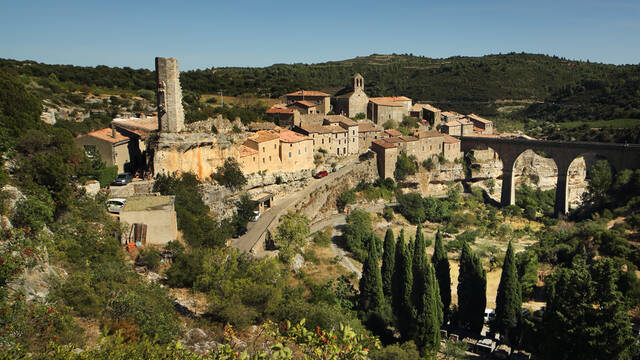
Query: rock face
[92, 187]
[198, 152]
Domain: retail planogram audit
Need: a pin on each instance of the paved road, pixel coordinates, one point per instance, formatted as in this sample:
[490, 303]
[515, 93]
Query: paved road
[256, 229]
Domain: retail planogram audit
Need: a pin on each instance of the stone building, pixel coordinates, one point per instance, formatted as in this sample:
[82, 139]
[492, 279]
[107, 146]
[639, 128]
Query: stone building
[276, 150]
[283, 116]
[169, 95]
[111, 145]
[451, 148]
[319, 100]
[422, 145]
[383, 109]
[481, 125]
[352, 100]
[352, 131]
[427, 114]
[367, 132]
[304, 107]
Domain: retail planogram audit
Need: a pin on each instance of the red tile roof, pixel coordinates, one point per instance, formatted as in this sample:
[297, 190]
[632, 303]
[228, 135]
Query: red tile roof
[105, 134]
[290, 136]
[247, 151]
[304, 103]
[308, 93]
[383, 143]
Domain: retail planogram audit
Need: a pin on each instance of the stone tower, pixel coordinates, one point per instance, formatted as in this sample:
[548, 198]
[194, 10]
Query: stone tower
[358, 82]
[169, 94]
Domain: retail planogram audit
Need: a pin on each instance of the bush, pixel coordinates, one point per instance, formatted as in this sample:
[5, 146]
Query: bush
[150, 258]
[428, 164]
[405, 166]
[323, 237]
[346, 197]
[387, 213]
[230, 174]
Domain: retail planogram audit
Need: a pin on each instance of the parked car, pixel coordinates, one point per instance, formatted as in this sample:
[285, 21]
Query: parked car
[241, 231]
[122, 179]
[321, 174]
[256, 216]
[115, 205]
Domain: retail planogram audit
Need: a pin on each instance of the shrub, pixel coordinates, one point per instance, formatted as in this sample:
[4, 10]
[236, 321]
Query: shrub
[323, 237]
[230, 174]
[346, 197]
[387, 213]
[150, 258]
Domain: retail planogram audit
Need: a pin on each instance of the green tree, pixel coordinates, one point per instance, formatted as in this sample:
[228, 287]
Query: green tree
[509, 298]
[586, 317]
[440, 263]
[600, 180]
[371, 294]
[472, 290]
[405, 166]
[419, 277]
[429, 313]
[291, 234]
[230, 175]
[245, 208]
[357, 232]
[527, 264]
[388, 261]
[402, 286]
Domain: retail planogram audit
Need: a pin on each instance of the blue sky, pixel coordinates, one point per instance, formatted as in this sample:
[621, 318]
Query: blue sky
[202, 34]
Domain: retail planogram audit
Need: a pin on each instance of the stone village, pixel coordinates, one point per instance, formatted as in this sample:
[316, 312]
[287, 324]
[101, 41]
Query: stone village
[310, 131]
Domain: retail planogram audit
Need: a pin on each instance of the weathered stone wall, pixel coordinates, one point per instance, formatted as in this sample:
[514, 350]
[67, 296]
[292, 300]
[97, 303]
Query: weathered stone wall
[170, 111]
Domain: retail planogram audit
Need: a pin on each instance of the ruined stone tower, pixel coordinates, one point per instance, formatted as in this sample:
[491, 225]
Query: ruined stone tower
[169, 94]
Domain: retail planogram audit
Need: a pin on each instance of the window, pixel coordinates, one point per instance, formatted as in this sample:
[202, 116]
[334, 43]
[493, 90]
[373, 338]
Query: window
[338, 151]
[274, 146]
[269, 157]
[298, 151]
[263, 149]
[263, 160]
[322, 141]
[289, 154]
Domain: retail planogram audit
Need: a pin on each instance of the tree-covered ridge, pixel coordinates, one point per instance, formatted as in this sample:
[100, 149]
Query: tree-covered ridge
[491, 77]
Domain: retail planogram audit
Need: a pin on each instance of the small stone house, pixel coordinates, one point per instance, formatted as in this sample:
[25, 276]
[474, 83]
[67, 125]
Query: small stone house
[427, 114]
[383, 109]
[451, 148]
[112, 145]
[367, 132]
[304, 107]
[320, 100]
[481, 125]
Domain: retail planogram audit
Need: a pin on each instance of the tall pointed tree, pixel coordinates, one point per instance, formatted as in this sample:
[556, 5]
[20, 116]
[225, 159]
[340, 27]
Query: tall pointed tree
[509, 297]
[388, 261]
[419, 280]
[440, 263]
[401, 286]
[429, 314]
[472, 290]
[371, 296]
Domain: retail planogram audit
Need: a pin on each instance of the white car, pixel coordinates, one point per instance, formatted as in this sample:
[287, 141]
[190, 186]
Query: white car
[256, 216]
[115, 205]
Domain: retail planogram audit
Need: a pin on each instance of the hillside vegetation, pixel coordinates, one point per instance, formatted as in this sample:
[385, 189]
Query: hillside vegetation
[571, 89]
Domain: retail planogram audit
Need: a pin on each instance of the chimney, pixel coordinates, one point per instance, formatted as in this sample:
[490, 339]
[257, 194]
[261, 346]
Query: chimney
[113, 131]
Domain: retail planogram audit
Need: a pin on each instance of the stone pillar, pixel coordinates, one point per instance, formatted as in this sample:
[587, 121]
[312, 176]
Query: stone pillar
[508, 196]
[561, 207]
[169, 94]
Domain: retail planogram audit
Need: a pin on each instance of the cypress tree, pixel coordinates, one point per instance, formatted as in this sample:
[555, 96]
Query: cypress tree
[388, 260]
[417, 269]
[371, 296]
[472, 290]
[401, 287]
[509, 298]
[440, 263]
[429, 315]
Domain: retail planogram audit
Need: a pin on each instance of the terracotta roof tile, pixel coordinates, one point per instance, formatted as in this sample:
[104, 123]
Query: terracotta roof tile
[393, 132]
[105, 134]
[383, 143]
[367, 127]
[247, 151]
[290, 136]
[308, 93]
[383, 102]
[262, 136]
[428, 134]
[304, 103]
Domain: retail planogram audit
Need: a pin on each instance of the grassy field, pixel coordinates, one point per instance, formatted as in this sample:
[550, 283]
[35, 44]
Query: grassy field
[617, 124]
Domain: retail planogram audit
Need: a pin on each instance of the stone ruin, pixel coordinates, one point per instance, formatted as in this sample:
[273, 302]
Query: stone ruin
[170, 111]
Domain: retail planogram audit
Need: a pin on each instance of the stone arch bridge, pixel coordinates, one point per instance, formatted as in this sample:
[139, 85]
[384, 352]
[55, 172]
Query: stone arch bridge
[620, 156]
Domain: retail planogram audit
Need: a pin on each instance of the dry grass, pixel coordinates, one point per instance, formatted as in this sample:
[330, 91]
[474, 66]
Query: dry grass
[235, 100]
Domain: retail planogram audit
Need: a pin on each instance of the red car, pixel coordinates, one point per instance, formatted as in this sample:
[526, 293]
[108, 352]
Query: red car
[321, 174]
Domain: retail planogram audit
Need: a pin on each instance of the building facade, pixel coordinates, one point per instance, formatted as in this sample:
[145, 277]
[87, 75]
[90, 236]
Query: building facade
[351, 101]
[321, 101]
